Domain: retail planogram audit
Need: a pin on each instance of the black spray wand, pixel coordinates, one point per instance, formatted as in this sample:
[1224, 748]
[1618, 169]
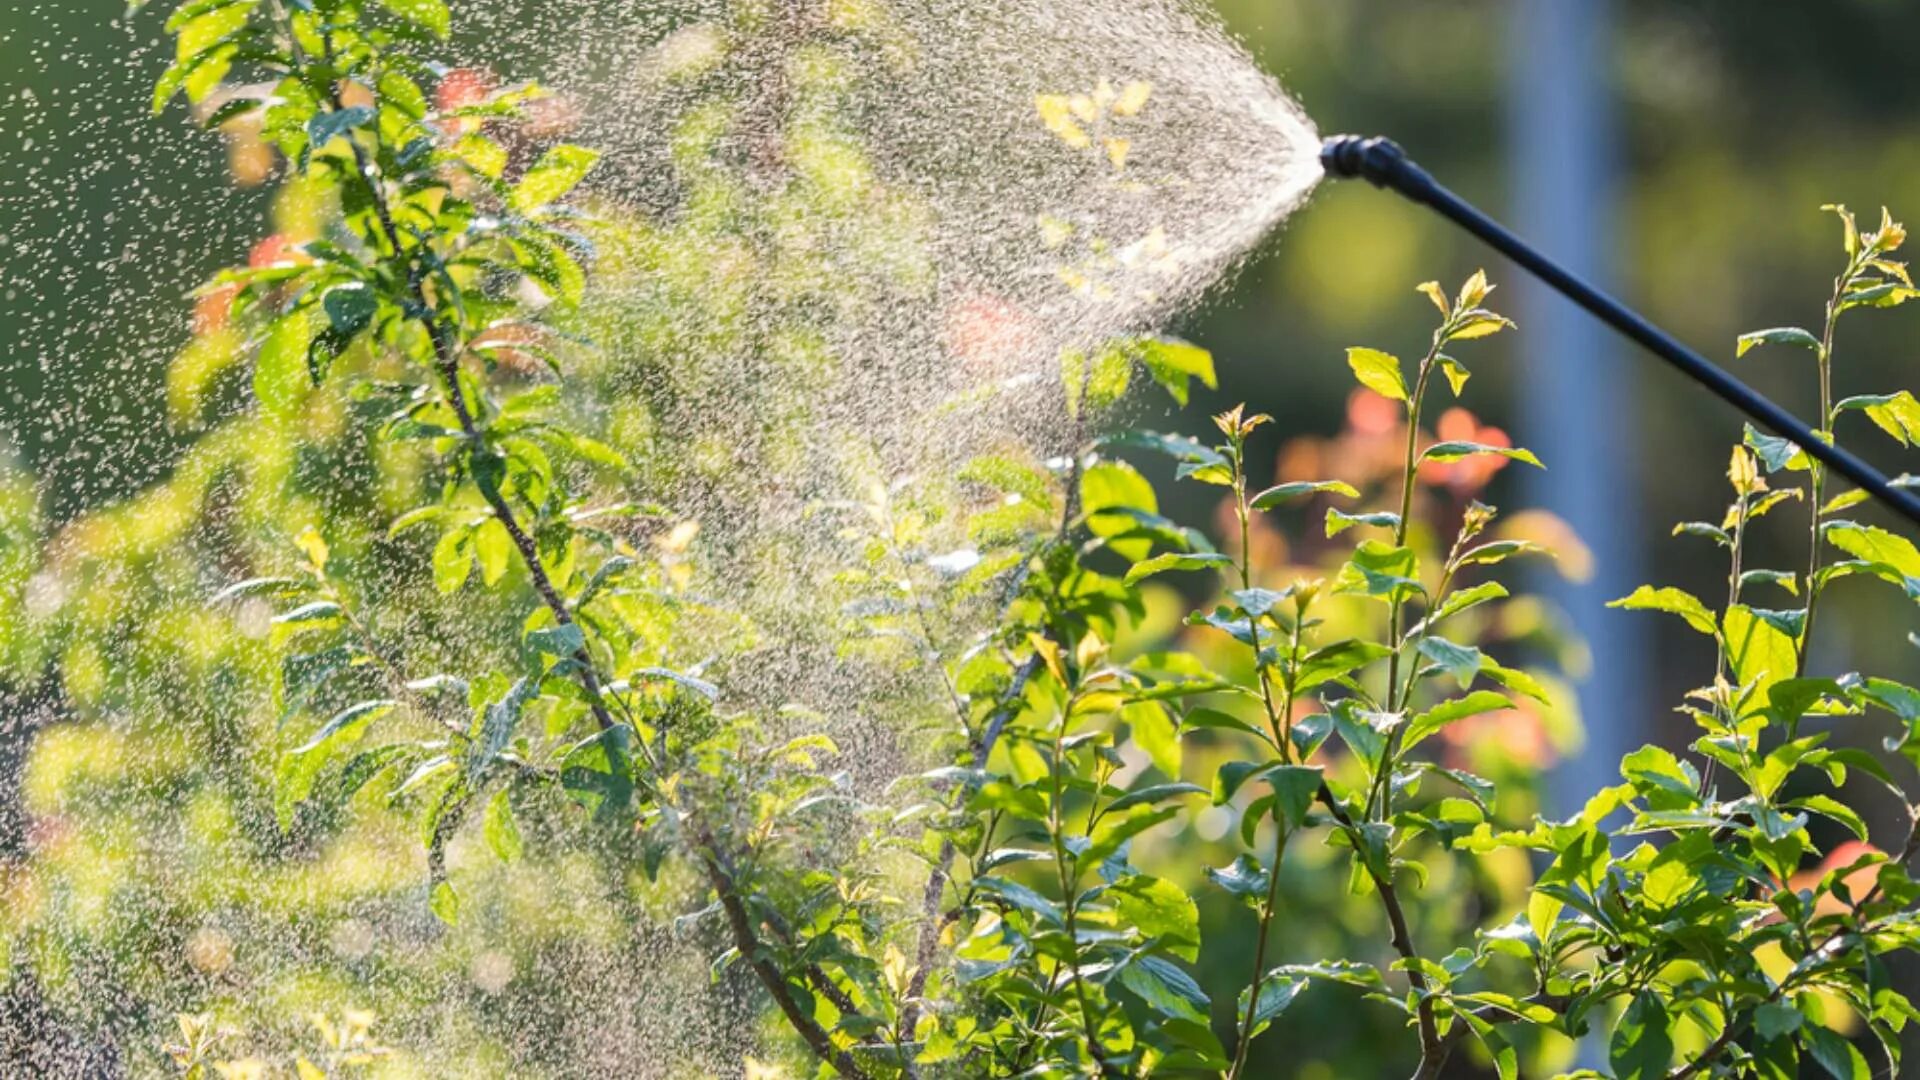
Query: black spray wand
[1383, 163]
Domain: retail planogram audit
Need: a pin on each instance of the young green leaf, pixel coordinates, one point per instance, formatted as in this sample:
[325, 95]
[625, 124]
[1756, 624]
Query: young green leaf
[1448, 712]
[1177, 560]
[1455, 450]
[1896, 414]
[1285, 493]
[1672, 601]
[430, 15]
[550, 178]
[1378, 372]
[280, 379]
[1779, 335]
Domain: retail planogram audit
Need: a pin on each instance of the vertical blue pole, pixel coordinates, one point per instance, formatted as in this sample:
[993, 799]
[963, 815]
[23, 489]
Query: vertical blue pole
[1578, 408]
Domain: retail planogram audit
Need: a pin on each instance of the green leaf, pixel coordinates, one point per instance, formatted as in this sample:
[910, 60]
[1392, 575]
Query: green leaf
[1174, 364]
[445, 903]
[1791, 622]
[1205, 718]
[493, 548]
[1178, 560]
[328, 126]
[1896, 414]
[497, 724]
[1455, 450]
[277, 587]
[561, 641]
[1154, 731]
[1158, 909]
[1294, 788]
[1108, 377]
[1333, 661]
[1704, 529]
[1828, 806]
[550, 178]
[350, 308]
[1884, 295]
[1784, 579]
[430, 15]
[1498, 551]
[191, 73]
[1233, 775]
[300, 767]
[1642, 1044]
[1666, 782]
[1118, 501]
[1285, 493]
[1775, 452]
[1672, 601]
[1456, 373]
[1378, 372]
[1461, 661]
[1836, 1054]
[280, 380]
[452, 559]
[1779, 335]
[1165, 988]
[1346, 972]
[1776, 1018]
[1147, 796]
[1760, 653]
[1457, 602]
[1339, 521]
[1243, 878]
[1115, 830]
[1382, 570]
[498, 828]
[1276, 993]
[1447, 712]
[1874, 545]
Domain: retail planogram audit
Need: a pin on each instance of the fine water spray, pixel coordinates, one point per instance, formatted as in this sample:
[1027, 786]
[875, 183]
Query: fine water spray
[1382, 162]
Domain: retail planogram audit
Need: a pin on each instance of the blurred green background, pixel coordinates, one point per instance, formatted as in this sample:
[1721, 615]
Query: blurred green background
[1719, 129]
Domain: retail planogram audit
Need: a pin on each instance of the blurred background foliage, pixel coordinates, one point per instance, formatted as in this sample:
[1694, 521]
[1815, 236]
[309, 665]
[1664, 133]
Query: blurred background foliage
[1735, 121]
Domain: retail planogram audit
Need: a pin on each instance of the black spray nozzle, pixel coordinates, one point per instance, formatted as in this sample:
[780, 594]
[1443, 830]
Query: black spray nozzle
[1357, 156]
[1382, 162]
[1377, 160]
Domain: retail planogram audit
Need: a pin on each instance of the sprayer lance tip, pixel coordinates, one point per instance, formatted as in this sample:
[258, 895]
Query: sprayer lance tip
[1349, 156]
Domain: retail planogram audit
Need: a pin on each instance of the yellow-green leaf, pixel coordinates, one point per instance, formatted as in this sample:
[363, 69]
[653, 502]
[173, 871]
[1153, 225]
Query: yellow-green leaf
[280, 379]
[1378, 372]
[431, 15]
[1672, 601]
[555, 174]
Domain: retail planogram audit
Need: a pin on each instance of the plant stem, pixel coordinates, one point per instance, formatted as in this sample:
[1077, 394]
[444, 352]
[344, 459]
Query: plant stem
[1284, 740]
[1433, 1048]
[1067, 869]
[1260, 951]
[446, 352]
[1818, 472]
[1396, 609]
[747, 943]
[1407, 476]
[1279, 719]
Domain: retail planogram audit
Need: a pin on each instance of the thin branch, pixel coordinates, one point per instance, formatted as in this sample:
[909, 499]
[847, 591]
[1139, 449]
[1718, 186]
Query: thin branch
[1433, 1048]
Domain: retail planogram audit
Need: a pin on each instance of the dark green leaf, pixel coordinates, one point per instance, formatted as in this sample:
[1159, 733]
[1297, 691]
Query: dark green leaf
[1299, 489]
[1779, 335]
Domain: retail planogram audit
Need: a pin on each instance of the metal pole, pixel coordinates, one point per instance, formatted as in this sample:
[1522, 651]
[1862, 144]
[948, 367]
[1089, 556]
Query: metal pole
[1578, 402]
[1383, 163]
